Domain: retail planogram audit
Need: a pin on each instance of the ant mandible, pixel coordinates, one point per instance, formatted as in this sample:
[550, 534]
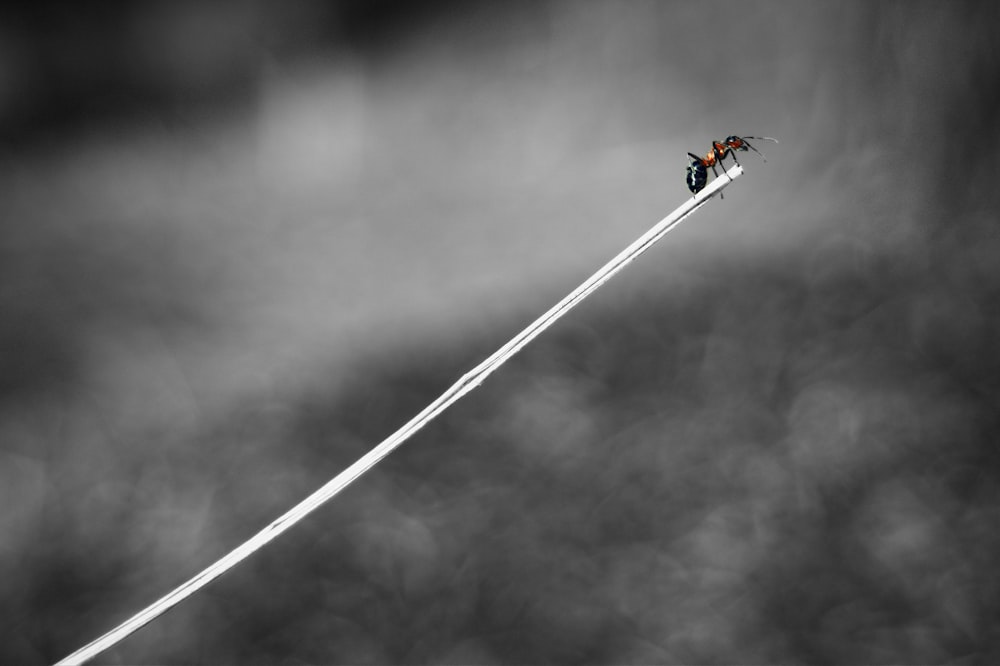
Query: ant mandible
[697, 170]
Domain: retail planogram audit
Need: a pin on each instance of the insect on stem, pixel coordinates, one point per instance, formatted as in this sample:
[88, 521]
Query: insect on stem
[697, 170]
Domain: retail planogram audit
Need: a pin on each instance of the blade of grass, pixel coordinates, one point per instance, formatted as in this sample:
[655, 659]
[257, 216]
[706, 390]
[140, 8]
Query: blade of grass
[469, 381]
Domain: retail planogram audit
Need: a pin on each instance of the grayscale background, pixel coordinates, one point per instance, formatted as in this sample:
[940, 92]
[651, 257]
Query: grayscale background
[242, 242]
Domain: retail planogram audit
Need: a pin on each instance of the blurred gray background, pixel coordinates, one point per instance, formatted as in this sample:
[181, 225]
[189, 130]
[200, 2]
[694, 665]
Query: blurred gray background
[242, 242]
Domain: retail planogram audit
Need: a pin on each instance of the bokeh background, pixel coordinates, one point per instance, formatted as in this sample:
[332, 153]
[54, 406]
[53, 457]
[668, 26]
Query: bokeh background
[242, 242]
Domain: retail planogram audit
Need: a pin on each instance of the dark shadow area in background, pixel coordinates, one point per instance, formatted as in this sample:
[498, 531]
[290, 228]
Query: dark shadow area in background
[71, 69]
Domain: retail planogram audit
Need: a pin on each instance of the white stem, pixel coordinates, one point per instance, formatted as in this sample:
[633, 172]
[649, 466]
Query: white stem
[469, 381]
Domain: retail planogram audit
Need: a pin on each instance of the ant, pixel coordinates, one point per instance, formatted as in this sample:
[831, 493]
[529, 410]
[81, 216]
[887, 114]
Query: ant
[697, 170]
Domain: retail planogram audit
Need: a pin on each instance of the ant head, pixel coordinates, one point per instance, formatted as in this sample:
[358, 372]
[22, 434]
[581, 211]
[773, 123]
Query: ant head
[736, 143]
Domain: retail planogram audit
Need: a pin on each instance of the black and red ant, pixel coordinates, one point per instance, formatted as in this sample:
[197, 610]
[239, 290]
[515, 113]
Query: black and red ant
[697, 170]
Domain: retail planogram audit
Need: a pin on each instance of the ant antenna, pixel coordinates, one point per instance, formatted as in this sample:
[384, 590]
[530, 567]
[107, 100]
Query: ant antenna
[763, 138]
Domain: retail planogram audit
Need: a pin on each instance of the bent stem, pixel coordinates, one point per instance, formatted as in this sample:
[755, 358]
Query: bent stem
[469, 381]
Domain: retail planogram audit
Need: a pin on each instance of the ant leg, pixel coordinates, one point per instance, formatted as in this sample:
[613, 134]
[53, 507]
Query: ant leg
[755, 150]
[721, 195]
[733, 155]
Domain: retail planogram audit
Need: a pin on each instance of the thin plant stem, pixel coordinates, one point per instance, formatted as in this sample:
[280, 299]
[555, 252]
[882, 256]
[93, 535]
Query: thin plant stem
[469, 381]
